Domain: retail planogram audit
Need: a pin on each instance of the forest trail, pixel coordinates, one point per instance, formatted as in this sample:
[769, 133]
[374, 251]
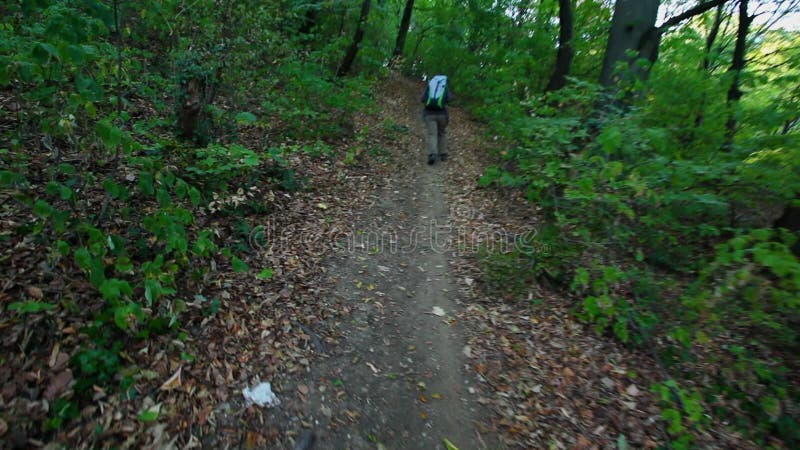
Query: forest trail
[400, 374]
[493, 371]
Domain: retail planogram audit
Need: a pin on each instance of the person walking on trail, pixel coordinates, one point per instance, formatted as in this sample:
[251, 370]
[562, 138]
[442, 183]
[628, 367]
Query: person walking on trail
[435, 98]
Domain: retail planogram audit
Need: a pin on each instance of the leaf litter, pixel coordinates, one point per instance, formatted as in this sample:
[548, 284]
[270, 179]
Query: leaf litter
[549, 381]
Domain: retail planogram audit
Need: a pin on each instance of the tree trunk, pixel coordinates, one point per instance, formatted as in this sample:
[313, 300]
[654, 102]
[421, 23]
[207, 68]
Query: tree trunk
[633, 28]
[565, 50]
[790, 219]
[310, 19]
[420, 36]
[350, 55]
[631, 20]
[710, 41]
[737, 66]
[405, 22]
[191, 110]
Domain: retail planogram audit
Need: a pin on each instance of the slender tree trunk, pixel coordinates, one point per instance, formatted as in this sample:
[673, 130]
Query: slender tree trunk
[651, 40]
[631, 20]
[350, 55]
[405, 22]
[565, 50]
[710, 41]
[118, 43]
[420, 36]
[737, 66]
[310, 19]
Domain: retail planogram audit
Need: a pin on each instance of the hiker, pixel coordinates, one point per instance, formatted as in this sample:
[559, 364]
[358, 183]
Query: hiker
[435, 98]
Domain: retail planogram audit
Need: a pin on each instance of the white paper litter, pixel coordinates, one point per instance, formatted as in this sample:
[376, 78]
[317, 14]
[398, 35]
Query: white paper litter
[261, 395]
[437, 311]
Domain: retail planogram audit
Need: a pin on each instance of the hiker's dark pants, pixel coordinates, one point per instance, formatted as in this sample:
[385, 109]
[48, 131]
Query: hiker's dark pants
[436, 124]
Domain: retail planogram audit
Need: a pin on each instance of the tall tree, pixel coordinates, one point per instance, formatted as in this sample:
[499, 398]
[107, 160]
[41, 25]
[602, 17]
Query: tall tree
[633, 28]
[631, 20]
[711, 39]
[737, 66]
[405, 22]
[566, 51]
[352, 50]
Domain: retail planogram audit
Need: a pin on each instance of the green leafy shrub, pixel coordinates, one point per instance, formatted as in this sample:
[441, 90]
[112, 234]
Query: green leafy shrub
[216, 165]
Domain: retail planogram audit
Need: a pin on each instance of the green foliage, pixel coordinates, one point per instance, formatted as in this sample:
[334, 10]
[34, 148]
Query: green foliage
[507, 272]
[652, 220]
[216, 165]
[683, 410]
[265, 274]
[62, 410]
[88, 153]
[30, 306]
[95, 366]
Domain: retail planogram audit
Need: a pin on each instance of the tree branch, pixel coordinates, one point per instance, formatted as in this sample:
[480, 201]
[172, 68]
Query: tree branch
[689, 13]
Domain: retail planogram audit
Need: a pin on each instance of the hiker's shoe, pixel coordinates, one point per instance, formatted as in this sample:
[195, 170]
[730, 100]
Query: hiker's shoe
[443, 157]
[431, 159]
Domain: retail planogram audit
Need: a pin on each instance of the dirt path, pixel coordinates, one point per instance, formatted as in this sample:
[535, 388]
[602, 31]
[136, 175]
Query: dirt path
[420, 347]
[399, 377]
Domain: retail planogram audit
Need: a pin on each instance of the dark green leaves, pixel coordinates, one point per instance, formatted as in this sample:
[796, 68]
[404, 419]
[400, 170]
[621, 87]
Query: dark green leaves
[245, 118]
[30, 307]
[109, 134]
[43, 53]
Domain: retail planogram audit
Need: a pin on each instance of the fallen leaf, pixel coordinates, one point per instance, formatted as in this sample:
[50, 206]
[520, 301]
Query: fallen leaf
[372, 366]
[35, 292]
[583, 443]
[437, 311]
[630, 405]
[150, 414]
[252, 440]
[632, 390]
[568, 372]
[449, 445]
[58, 384]
[173, 382]
[54, 355]
[326, 411]
[303, 389]
[353, 415]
